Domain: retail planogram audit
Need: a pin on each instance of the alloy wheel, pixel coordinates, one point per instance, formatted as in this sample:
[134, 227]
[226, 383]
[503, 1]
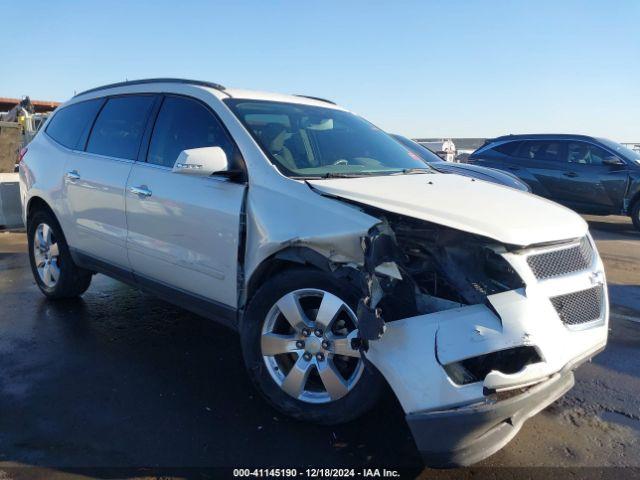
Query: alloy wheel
[306, 346]
[46, 254]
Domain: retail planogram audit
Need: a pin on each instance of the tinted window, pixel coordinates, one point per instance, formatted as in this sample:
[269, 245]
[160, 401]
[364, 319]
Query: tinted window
[508, 148]
[540, 150]
[183, 124]
[585, 153]
[621, 150]
[68, 124]
[119, 127]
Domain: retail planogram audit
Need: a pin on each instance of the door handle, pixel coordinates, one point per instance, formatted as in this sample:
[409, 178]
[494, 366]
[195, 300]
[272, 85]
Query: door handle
[141, 190]
[570, 174]
[72, 176]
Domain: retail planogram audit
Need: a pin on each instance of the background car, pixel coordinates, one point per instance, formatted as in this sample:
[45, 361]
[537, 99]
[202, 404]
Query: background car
[474, 171]
[588, 174]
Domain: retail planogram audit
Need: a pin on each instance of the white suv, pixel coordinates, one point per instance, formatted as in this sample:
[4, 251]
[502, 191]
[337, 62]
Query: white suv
[343, 260]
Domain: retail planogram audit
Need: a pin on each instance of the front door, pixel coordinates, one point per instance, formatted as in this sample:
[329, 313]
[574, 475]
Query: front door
[183, 230]
[592, 185]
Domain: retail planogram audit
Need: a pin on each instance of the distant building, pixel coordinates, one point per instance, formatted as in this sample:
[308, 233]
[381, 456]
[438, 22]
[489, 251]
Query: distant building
[40, 106]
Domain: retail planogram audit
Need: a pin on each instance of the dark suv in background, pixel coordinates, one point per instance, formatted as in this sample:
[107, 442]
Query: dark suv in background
[588, 174]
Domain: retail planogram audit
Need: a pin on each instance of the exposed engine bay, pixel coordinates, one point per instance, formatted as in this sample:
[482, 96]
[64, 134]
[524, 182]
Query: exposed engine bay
[413, 267]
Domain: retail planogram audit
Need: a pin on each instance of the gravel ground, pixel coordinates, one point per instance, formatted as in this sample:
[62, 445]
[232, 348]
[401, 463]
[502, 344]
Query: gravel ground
[122, 379]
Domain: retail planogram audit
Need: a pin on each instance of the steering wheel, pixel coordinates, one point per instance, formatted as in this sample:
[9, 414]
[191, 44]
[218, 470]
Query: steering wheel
[341, 161]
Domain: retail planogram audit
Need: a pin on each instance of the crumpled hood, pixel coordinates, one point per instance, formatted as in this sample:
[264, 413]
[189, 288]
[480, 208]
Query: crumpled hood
[501, 213]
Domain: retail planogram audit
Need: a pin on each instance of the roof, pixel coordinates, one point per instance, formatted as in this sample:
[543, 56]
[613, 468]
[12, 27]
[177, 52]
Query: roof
[554, 136]
[228, 92]
[280, 97]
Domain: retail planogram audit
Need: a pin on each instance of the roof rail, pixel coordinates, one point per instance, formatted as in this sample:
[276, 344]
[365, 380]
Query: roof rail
[317, 98]
[154, 80]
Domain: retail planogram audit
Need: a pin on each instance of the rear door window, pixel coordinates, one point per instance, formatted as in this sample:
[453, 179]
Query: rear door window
[183, 124]
[69, 123]
[120, 126]
[548, 150]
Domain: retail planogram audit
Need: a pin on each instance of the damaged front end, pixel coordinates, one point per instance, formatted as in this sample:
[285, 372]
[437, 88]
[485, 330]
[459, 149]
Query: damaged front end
[473, 334]
[470, 341]
[412, 267]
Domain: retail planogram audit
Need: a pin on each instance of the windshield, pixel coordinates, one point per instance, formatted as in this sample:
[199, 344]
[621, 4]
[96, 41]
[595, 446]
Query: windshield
[420, 150]
[621, 150]
[305, 141]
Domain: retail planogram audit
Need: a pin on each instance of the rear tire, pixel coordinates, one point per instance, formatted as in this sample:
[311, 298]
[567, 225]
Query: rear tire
[53, 269]
[635, 214]
[337, 388]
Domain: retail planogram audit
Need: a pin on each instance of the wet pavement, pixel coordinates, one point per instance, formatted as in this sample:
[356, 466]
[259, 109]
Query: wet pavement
[122, 379]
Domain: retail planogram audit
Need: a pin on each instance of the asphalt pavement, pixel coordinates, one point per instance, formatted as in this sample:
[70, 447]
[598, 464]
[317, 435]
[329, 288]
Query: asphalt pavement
[121, 379]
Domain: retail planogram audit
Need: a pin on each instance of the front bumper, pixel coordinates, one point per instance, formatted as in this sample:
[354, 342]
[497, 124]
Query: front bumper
[453, 420]
[457, 425]
[463, 436]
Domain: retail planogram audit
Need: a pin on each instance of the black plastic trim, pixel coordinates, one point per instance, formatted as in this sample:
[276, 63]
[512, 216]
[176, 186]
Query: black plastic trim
[224, 314]
[466, 435]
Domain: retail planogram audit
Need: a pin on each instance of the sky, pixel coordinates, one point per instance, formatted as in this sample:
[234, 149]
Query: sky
[419, 68]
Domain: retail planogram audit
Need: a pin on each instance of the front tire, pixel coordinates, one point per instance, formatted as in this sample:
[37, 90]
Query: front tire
[295, 339]
[53, 269]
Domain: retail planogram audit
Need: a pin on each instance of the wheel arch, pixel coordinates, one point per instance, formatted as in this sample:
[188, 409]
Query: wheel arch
[38, 203]
[286, 259]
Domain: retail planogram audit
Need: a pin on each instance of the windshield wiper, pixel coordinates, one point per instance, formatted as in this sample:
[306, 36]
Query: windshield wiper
[343, 175]
[410, 171]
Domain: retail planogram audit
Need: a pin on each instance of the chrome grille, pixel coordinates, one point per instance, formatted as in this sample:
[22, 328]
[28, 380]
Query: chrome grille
[562, 262]
[579, 307]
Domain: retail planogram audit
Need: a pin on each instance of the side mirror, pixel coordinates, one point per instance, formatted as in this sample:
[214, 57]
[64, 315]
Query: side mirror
[612, 161]
[203, 161]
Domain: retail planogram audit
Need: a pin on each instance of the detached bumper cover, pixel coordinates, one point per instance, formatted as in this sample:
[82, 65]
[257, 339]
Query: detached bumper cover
[466, 435]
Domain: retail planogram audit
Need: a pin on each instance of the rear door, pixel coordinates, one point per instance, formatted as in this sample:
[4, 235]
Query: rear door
[501, 156]
[543, 160]
[183, 230]
[96, 179]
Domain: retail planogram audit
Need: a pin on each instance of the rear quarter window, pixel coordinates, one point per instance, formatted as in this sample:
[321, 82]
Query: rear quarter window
[508, 148]
[69, 123]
